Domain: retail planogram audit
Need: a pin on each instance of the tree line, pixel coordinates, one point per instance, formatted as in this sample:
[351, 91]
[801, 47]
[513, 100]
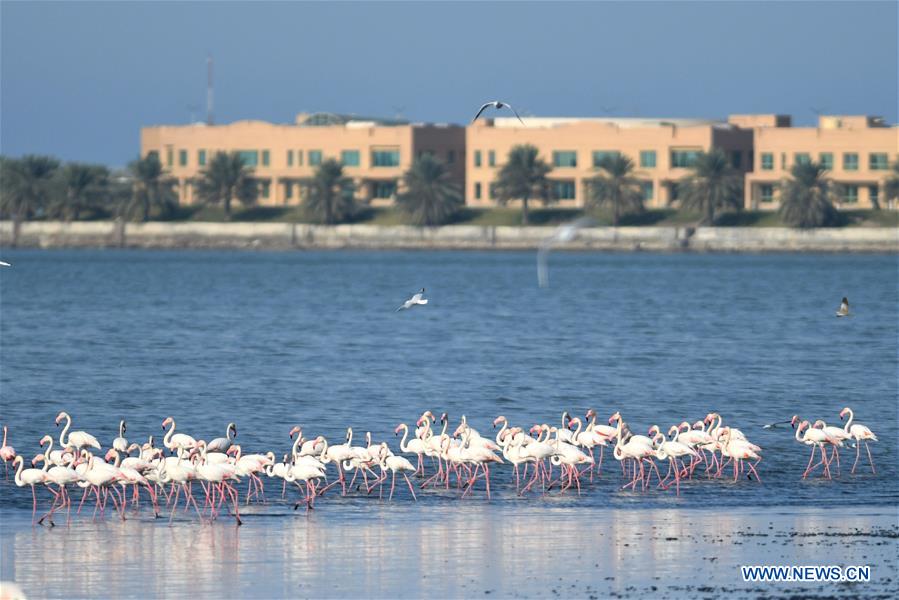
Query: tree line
[41, 187]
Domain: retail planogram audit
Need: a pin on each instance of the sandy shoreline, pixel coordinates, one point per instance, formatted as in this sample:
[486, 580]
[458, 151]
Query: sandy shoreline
[353, 548]
[108, 234]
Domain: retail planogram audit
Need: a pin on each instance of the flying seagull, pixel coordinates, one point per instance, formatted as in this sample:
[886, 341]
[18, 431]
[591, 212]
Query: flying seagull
[415, 299]
[497, 105]
[4, 264]
[564, 233]
[844, 308]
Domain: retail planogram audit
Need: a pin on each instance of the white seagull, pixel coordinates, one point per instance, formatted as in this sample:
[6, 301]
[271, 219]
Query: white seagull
[415, 299]
[4, 264]
[844, 308]
[497, 105]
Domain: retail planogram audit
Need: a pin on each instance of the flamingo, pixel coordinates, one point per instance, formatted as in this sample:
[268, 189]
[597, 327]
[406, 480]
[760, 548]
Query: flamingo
[176, 441]
[816, 438]
[76, 439]
[223, 443]
[859, 433]
[738, 451]
[395, 464]
[671, 450]
[481, 457]
[120, 443]
[7, 453]
[414, 446]
[30, 477]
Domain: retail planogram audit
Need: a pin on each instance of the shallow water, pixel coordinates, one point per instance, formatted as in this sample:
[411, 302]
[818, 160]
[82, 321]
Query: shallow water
[271, 340]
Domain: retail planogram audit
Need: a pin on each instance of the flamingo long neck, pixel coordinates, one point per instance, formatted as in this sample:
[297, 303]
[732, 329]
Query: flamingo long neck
[846, 428]
[499, 435]
[324, 449]
[592, 425]
[293, 450]
[403, 445]
[237, 452]
[718, 424]
[443, 431]
[564, 418]
[4, 436]
[63, 435]
[121, 428]
[228, 434]
[577, 431]
[676, 435]
[49, 448]
[349, 436]
[18, 477]
[798, 430]
[118, 458]
[167, 440]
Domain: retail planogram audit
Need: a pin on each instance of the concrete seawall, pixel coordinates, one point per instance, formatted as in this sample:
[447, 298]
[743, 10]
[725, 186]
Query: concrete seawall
[110, 234]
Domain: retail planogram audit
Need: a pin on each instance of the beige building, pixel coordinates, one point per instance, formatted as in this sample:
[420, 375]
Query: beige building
[375, 153]
[857, 152]
[662, 152]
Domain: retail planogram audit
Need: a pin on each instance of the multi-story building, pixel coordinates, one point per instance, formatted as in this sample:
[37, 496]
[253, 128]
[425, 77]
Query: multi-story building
[375, 153]
[662, 152]
[856, 151]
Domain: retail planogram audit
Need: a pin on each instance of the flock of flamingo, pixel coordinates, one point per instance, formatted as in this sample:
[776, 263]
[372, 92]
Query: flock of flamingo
[459, 460]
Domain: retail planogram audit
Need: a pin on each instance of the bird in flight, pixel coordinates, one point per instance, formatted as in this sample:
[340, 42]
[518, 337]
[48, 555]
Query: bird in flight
[497, 105]
[4, 264]
[844, 308]
[415, 299]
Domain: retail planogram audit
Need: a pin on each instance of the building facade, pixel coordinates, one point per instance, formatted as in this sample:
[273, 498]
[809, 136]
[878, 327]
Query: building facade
[662, 152]
[856, 151]
[375, 153]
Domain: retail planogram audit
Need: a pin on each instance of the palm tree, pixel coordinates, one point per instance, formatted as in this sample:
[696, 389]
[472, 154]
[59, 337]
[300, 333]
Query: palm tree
[431, 196]
[523, 176]
[616, 186]
[805, 198]
[149, 188]
[330, 198]
[891, 185]
[714, 185]
[83, 186]
[226, 179]
[26, 186]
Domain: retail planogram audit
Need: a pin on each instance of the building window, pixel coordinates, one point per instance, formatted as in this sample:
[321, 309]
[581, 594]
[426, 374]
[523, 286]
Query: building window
[491, 158]
[299, 158]
[802, 158]
[766, 192]
[385, 158]
[877, 161]
[648, 191]
[384, 189]
[250, 158]
[477, 191]
[684, 158]
[264, 188]
[182, 158]
[350, 158]
[850, 161]
[288, 190]
[201, 158]
[563, 190]
[477, 158]
[450, 156]
[826, 160]
[874, 194]
[265, 158]
[564, 158]
[168, 157]
[736, 159]
[648, 159]
[850, 194]
[601, 155]
[767, 161]
[491, 190]
[315, 158]
[290, 158]
[673, 191]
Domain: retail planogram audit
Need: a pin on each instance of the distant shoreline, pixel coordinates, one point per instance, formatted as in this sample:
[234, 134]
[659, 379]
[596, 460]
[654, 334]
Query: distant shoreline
[300, 236]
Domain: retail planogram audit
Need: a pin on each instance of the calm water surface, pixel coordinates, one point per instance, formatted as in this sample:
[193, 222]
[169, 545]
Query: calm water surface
[271, 340]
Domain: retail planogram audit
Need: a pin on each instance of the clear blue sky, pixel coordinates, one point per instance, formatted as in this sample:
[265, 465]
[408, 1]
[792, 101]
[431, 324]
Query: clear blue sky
[80, 79]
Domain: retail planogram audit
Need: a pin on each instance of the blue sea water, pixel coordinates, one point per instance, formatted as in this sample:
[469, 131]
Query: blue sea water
[272, 340]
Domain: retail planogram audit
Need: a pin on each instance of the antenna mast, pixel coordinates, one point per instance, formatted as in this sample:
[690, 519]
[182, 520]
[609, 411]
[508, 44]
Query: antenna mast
[209, 120]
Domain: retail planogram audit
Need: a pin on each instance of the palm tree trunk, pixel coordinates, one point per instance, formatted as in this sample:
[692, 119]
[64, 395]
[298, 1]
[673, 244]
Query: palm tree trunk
[16, 225]
[615, 216]
[710, 212]
[524, 210]
[228, 208]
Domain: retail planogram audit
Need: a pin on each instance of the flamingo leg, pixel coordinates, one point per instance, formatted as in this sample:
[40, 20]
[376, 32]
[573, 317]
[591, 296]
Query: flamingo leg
[870, 460]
